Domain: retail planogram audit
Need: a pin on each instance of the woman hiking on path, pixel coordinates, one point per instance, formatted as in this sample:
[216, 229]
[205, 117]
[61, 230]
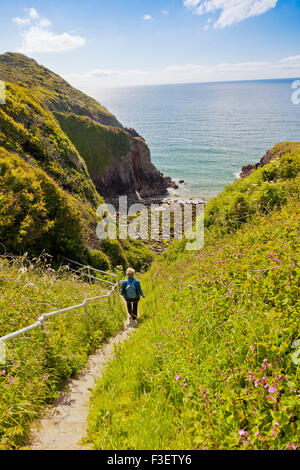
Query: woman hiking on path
[132, 292]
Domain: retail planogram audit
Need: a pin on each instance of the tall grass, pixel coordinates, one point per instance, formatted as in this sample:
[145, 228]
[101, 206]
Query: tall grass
[213, 364]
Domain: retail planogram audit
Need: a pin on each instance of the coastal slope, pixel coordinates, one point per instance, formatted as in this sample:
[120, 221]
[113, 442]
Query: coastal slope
[215, 362]
[119, 159]
[48, 200]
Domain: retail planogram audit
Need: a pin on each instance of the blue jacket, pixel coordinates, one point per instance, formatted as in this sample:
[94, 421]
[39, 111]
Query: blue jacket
[137, 284]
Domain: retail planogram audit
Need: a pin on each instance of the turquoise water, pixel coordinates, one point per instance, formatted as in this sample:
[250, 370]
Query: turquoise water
[205, 133]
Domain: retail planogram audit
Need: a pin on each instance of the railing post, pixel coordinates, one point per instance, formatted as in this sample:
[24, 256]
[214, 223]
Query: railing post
[87, 317]
[42, 322]
[89, 274]
[2, 353]
[86, 311]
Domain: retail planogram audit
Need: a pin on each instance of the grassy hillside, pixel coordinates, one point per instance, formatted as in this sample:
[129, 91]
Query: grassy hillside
[29, 129]
[51, 89]
[96, 143]
[212, 365]
[47, 198]
[36, 215]
[36, 367]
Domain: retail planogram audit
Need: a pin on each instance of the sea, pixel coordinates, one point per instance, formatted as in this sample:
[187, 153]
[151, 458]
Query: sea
[203, 133]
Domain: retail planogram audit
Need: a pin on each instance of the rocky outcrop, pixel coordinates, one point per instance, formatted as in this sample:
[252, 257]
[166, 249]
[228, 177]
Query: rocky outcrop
[118, 162]
[276, 152]
[132, 172]
[133, 132]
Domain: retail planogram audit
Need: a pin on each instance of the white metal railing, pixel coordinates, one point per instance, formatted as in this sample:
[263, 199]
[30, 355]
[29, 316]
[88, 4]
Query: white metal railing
[41, 320]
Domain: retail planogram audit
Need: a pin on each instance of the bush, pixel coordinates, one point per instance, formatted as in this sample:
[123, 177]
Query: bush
[35, 214]
[264, 190]
[98, 260]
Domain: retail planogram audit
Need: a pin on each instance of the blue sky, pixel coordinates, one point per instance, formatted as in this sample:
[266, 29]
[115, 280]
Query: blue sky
[97, 44]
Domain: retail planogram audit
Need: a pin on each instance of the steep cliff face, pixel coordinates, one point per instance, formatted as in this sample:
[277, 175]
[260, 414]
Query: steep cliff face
[130, 173]
[148, 180]
[118, 162]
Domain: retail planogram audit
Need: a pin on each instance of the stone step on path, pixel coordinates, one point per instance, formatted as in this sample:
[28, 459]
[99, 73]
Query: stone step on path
[65, 422]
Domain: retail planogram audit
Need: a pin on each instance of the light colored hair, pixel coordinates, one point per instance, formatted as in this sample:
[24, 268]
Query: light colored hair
[130, 272]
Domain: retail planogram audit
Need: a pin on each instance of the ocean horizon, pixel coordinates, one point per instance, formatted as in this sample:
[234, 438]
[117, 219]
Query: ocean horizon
[203, 133]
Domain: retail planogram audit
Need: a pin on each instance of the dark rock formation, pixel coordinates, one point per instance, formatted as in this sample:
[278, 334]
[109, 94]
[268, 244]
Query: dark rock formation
[247, 170]
[276, 152]
[133, 132]
[132, 172]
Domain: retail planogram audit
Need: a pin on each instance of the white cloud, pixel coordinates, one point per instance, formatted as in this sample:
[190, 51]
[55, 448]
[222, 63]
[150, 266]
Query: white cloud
[293, 61]
[44, 23]
[186, 73]
[33, 13]
[284, 68]
[38, 38]
[21, 21]
[232, 11]
[165, 12]
[147, 18]
[97, 73]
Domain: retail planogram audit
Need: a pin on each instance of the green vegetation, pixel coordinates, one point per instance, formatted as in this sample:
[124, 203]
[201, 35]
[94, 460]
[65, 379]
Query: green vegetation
[35, 213]
[96, 143]
[51, 89]
[32, 131]
[37, 366]
[47, 198]
[268, 188]
[212, 365]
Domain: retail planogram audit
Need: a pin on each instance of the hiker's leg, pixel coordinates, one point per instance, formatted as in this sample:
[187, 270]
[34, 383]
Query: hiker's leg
[135, 309]
[129, 308]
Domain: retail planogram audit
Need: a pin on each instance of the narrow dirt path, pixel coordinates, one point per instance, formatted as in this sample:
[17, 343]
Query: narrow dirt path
[65, 422]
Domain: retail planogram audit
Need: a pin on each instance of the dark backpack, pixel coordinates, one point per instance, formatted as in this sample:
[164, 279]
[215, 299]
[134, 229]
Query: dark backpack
[131, 292]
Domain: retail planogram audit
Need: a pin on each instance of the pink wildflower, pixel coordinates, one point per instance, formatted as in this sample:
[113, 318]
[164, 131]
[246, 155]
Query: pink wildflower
[269, 397]
[178, 377]
[291, 446]
[243, 433]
